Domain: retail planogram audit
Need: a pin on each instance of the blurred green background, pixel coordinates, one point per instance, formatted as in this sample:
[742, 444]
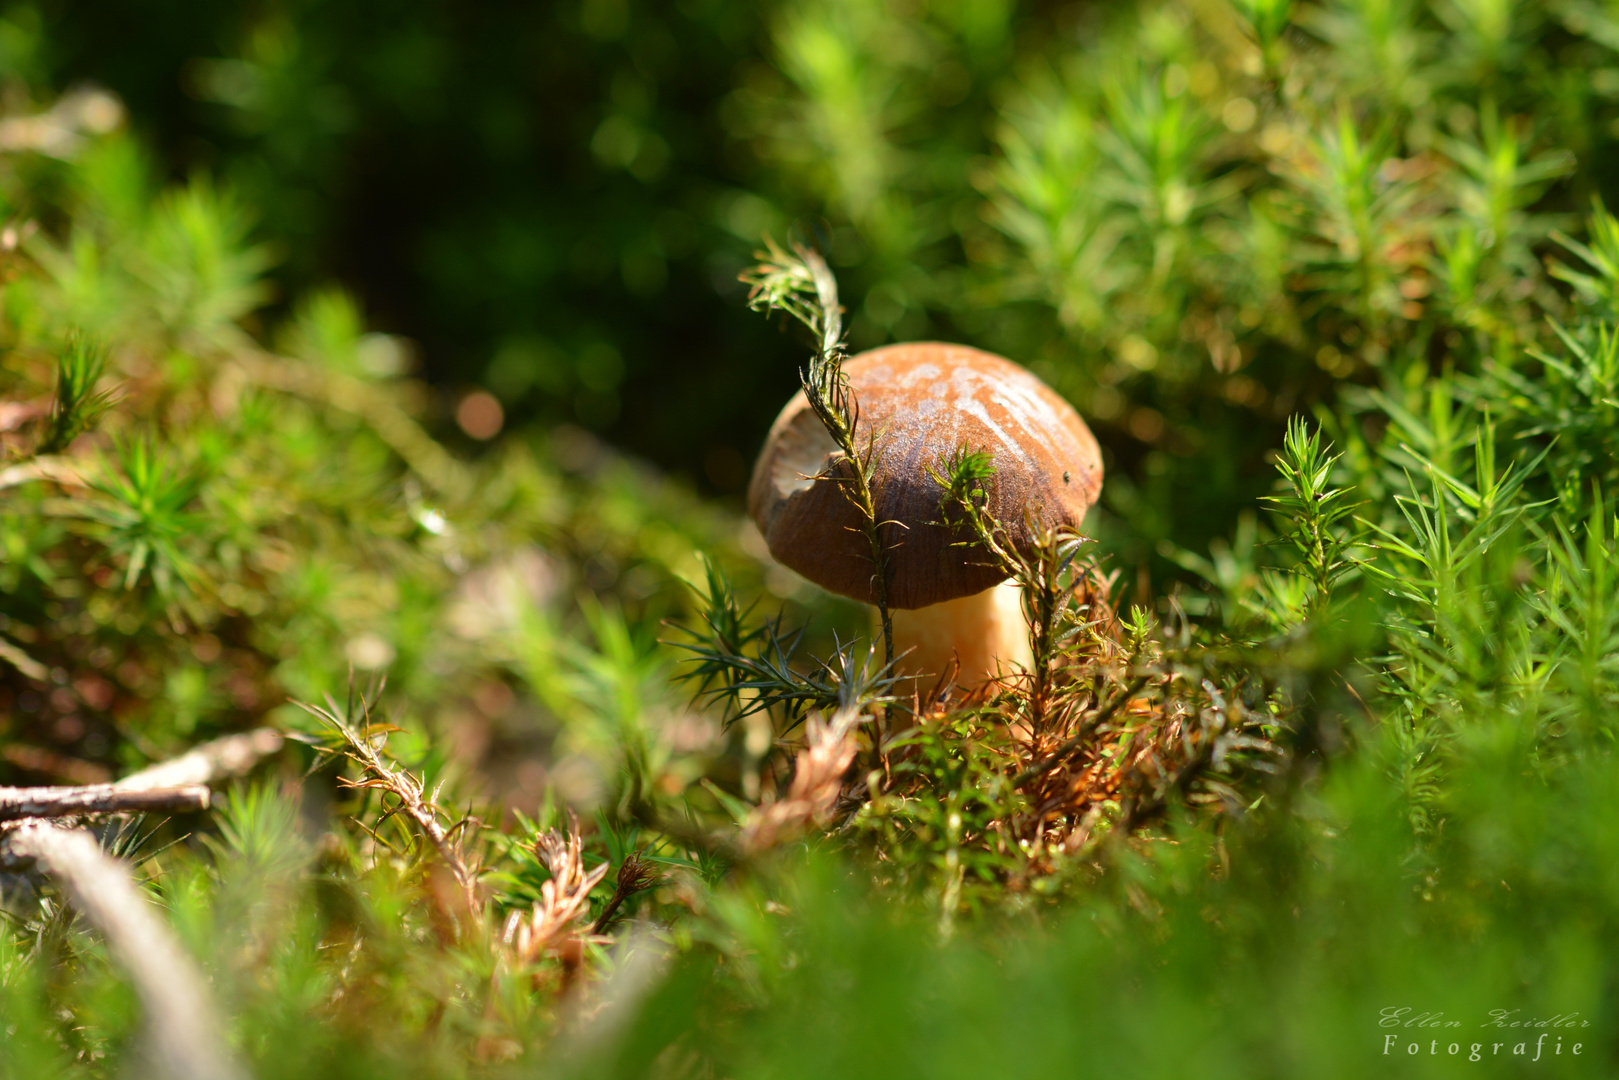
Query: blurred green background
[553, 200]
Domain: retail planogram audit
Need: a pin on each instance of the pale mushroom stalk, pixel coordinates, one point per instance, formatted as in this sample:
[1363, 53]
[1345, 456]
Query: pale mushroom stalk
[981, 637]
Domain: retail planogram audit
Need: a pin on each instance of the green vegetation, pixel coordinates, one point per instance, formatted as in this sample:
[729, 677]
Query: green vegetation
[1321, 721]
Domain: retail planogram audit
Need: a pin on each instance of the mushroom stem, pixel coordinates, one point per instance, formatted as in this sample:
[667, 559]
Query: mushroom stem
[985, 633]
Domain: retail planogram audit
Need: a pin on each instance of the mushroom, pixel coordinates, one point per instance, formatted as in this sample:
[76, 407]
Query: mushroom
[923, 401]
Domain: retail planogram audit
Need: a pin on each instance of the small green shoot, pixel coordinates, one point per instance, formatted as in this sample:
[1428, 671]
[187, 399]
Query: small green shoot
[77, 404]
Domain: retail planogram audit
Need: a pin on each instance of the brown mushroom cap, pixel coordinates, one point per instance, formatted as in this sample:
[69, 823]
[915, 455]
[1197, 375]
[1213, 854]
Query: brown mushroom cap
[924, 400]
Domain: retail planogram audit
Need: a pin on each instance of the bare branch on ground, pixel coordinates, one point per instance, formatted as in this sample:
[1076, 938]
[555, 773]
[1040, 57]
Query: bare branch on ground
[231, 756]
[183, 1031]
[58, 802]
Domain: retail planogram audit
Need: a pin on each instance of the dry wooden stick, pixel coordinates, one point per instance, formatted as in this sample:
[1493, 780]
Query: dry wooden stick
[14, 655]
[183, 1030]
[230, 756]
[178, 784]
[53, 467]
[57, 802]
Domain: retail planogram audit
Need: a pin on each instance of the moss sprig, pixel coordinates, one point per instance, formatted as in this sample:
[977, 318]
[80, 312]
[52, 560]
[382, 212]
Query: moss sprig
[800, 283]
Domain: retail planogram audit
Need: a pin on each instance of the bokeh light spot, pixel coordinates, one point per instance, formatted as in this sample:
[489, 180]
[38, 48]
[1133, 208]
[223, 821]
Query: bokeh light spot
[480, 415]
